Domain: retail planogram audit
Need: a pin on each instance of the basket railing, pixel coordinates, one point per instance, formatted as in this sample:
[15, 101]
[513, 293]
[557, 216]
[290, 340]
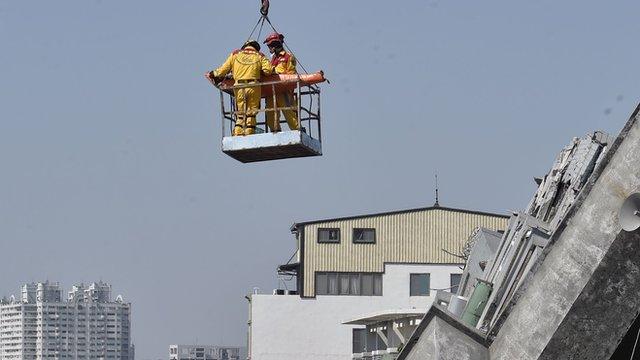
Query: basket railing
[306, 105]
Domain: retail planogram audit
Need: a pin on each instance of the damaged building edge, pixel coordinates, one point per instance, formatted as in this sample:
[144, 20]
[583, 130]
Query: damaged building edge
[584, 312]
[601, 166]
[594, 308]
[438, 311]
[571, 181]
[528, 232]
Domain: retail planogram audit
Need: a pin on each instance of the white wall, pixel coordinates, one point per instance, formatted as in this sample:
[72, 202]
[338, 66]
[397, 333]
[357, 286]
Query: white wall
[287, 327]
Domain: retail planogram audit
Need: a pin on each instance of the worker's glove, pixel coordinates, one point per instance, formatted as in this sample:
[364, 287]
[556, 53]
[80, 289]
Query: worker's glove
[211, 76]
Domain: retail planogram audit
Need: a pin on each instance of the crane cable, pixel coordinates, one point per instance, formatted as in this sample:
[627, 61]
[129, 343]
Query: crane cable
[261, 25]
[264, 16]
[260, 22]
[285, 44]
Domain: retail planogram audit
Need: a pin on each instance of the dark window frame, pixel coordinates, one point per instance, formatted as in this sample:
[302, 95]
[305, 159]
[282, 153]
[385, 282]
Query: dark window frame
[376, 283]
[451, 276]
[359, 337]
[328, 241]
[356, 241]
[416, 292]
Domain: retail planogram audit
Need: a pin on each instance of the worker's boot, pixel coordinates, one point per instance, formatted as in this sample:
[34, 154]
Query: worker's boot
[250, 127]
[293, 125]
[238, 130]
[273, 126]
[272, 122]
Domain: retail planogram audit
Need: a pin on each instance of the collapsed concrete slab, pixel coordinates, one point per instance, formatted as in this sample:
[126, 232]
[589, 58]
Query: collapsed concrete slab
[442, 337]
[565, 282]
[583, 293]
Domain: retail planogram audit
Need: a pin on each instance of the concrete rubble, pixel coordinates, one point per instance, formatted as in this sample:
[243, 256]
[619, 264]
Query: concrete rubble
[564, 278]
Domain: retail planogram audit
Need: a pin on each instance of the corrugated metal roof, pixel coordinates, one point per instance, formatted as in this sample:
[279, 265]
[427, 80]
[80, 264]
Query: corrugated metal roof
[397, 212]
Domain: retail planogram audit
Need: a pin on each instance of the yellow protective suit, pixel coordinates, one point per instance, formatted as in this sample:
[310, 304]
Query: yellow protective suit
[247, 66]
[283, 63]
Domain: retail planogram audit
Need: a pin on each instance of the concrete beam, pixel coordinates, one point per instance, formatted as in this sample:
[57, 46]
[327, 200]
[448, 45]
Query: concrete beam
[586, 286]
[382, 336]
[441, 337]
[399, 333]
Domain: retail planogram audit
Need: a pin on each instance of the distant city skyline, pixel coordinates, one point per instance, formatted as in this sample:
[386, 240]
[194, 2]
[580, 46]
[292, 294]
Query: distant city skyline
[205, 352]
[40, 323]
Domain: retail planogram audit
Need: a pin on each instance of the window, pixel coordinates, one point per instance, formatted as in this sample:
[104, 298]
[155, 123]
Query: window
[354, 284]
[419, 284]
[363, 284]
[333, 284]
[364, 236]
[359, 341]
[377, 285]
[367, 284]
[328, 235]
[321, 284]
[344, 284]
[455, 282]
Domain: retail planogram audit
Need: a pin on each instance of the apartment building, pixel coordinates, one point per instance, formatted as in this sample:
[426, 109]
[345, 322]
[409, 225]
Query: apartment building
[87, 325]
[350, 266]
[203, 352]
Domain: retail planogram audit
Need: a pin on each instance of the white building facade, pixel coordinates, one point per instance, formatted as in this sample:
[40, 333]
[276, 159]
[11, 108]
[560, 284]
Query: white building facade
[88, 325]
[291, 327]
[347, 267]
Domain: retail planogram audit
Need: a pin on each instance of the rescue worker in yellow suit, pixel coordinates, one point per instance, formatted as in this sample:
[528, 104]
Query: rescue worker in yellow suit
[282, 62]
[247, 66]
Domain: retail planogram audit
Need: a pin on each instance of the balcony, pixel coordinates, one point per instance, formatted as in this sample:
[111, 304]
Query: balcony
[385, 333]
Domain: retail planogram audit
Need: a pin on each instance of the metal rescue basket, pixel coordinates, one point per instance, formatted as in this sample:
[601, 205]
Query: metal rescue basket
[265, 145]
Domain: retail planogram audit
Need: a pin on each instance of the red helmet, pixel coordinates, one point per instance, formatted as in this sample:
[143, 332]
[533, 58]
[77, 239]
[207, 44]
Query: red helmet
[274, 37]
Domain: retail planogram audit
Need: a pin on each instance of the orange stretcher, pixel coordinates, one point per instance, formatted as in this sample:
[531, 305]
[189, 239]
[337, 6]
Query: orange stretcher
[281, 82]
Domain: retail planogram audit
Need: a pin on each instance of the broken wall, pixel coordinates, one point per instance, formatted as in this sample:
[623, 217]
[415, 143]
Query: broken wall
[584, 292]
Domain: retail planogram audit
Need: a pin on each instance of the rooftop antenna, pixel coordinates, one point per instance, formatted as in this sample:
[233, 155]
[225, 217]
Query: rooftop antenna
[437, 202]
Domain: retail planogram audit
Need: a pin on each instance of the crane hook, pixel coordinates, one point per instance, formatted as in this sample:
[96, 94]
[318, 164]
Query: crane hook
[264, 8]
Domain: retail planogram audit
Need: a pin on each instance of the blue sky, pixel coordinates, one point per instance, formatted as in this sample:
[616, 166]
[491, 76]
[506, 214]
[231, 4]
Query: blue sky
[110, 143]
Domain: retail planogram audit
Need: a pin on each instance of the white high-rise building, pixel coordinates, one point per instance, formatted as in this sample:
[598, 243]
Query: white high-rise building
[87, 325]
